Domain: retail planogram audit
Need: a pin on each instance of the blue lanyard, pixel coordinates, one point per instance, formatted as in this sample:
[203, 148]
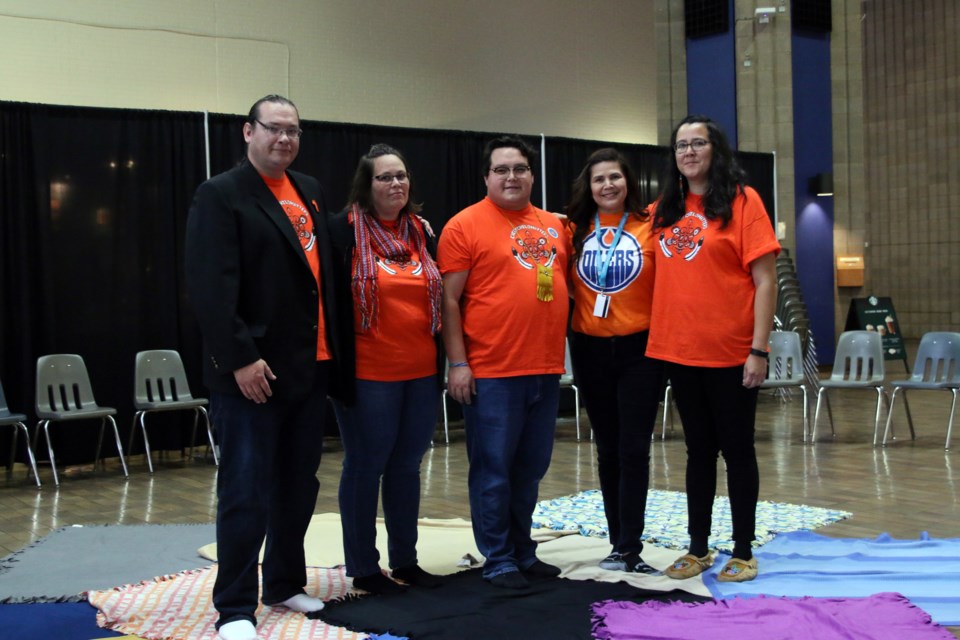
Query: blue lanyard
[607, 256]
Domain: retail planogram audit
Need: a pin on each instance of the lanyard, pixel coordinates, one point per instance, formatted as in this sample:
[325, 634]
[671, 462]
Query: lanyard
[607, 256]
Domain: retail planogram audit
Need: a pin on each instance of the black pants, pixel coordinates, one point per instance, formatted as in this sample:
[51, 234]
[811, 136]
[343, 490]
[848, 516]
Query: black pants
[621, 389]
[266, 487]
[718, 415]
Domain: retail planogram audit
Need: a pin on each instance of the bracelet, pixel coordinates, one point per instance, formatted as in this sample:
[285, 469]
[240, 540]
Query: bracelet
[760, 353]
[453, 365]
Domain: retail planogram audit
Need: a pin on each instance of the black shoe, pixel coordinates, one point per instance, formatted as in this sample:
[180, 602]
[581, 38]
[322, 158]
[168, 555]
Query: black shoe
[633, 563]
[509, 580]
[613, 562]
[416, 576]
[379, 584]
[541, 569]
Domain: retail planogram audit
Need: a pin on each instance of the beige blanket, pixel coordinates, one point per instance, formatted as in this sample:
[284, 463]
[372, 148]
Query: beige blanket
[445, 546]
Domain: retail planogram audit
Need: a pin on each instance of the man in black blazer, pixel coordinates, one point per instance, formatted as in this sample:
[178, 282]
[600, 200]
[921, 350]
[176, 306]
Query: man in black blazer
[259, 275]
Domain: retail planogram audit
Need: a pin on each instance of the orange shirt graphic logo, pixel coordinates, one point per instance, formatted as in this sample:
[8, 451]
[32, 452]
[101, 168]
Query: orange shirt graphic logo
[685, 238]
[302, 223]
[531, 246]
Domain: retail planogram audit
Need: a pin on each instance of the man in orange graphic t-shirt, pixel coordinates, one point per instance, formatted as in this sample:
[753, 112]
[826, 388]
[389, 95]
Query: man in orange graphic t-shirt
[505, 309]
[259, 271]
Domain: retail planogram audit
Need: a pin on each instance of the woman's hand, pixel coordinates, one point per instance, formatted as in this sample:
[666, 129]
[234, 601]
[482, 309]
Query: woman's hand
[754, 371]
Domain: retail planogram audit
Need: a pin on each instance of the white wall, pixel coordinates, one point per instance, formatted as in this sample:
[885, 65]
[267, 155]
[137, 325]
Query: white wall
[561, 67]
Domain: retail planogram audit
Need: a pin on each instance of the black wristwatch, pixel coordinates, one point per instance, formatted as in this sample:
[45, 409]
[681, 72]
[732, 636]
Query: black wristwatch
[760, 353]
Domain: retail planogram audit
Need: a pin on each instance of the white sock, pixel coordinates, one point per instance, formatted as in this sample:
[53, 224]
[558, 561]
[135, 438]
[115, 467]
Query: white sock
[237, 630]
[303, 603]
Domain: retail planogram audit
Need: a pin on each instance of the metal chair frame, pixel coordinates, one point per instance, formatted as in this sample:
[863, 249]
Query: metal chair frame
[858, 365]
[936, 368]
[160, 384]
[19, 423]
[785, 368]
[64, 393]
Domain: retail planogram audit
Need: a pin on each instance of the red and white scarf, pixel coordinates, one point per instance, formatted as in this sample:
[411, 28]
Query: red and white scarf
[375, 242]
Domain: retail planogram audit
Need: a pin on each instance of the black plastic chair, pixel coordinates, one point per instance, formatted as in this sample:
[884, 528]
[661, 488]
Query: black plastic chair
[160, 384]
[18, 421]
[64, 393]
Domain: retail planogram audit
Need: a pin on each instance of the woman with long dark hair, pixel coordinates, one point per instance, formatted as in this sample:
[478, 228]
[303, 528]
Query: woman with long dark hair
[612, 283]
[713, 307]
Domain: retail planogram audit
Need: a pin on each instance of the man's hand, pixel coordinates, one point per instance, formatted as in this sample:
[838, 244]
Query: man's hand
[253, 381]
[460, 384]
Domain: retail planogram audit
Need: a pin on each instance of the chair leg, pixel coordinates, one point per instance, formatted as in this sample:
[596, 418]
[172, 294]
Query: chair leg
[133, 432]
[116, 435]
[446, 419]
[13, 449]
[213, 446]
[193, 434]
[576, 407]
[806, 416]
[30, 456]
[146, 441]
[833, 427]
[893, 401]
[816, 417]
[881, 399]
[96, 459]
[906, 405]
[667, 411]
[53, 460]
[953, 409]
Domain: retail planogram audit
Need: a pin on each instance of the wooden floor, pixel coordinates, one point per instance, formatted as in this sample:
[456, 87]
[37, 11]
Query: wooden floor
[903, 489]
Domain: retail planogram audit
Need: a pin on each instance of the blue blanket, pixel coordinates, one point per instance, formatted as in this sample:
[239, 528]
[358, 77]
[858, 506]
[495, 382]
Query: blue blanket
[802, 563]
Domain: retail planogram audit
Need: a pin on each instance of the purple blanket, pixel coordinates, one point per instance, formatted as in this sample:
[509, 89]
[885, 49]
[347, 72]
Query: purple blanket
[883, 616]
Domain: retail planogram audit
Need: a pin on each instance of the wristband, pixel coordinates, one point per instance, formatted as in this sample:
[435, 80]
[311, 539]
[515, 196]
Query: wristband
[760, 353]
[454, 365]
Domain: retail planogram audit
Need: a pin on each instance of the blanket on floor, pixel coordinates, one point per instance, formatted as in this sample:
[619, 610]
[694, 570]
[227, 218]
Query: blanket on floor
[73, 560]
[666, 518]
[884, 616]
[468, 608]
[179, 606]
[802, 563]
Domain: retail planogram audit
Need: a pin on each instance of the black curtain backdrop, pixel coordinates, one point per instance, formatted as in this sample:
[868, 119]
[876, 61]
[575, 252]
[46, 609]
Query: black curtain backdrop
[93, 205]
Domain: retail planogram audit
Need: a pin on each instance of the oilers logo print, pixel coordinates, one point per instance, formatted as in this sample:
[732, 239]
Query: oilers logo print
[685, 238]
[626, 263]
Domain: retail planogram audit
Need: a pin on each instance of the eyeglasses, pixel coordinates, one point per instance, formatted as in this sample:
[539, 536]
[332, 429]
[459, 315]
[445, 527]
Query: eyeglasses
[386, 178]
[293, 133]
[697, 144]
[519, 171]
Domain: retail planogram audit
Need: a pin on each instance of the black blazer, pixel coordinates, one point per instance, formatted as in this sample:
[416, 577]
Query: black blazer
[250, 285]
[344, 243]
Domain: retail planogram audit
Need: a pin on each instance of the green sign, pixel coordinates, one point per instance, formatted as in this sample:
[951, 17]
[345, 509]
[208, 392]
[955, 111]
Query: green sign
[877, 314]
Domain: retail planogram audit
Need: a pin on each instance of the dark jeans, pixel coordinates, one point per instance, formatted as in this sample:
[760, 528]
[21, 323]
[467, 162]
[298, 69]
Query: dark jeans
[718, 415]
[266, 486]
[509, 428]
[621, 389]
[384, 435]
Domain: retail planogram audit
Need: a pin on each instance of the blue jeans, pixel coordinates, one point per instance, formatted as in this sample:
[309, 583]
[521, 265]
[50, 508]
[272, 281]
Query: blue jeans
[621, 388]
[509, 428]
[384, 435]
[266, 486]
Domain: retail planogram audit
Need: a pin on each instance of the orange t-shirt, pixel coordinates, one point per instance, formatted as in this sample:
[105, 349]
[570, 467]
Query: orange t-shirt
[286, 194]
[400, 346]
[507, 330]
[629, 280]
[704, 294]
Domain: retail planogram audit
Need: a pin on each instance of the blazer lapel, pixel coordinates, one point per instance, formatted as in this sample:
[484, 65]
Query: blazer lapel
[269, 205]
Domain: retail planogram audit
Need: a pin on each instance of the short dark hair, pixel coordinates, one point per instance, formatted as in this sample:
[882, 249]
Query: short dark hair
[361, 188]
[255, 109]
[582, 207]
[509, 142]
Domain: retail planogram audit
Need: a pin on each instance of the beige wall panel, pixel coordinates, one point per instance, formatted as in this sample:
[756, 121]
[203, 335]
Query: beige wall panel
[559, 67]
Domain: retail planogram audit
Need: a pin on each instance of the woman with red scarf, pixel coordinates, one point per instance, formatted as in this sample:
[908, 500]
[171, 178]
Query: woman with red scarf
[387, 406]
